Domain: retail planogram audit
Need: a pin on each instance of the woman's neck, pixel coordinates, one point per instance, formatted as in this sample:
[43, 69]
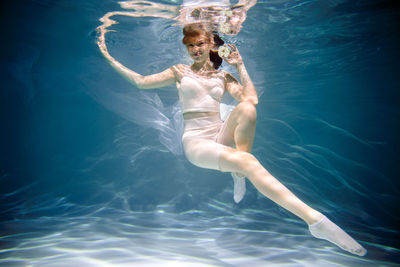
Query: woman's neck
[204, 66]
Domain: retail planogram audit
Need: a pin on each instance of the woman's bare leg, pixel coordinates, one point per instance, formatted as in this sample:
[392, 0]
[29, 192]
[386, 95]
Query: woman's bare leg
[240, 129]
[241, 126]
[233, 160]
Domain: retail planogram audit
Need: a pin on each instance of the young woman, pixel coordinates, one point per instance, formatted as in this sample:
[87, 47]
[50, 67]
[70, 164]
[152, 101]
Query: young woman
[211, 143]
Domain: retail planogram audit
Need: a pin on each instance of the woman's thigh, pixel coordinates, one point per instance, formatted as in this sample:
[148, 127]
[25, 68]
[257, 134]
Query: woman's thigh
[243, 113]
[226, 134]
[209, 154]
[204, 153]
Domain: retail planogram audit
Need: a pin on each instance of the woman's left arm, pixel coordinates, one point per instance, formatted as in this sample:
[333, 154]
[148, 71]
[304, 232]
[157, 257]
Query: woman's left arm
[246, 90]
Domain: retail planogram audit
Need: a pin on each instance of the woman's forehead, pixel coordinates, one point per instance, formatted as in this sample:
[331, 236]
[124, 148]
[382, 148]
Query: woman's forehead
[198, 39]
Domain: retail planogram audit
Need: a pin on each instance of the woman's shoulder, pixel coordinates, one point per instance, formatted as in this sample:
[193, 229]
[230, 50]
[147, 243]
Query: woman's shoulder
[179, 70]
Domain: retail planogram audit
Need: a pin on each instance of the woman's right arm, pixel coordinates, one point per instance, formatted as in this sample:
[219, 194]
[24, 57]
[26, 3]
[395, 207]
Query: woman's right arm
[157, 80]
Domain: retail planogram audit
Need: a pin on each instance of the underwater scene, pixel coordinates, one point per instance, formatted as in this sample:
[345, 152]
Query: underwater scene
[92, 169]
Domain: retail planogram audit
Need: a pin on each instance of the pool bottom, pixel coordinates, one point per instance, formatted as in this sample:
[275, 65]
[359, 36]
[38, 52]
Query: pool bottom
[108, 237]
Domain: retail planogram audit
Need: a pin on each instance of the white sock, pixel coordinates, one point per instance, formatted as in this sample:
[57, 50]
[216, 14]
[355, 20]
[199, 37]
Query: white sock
[326, 229]
[239, 186]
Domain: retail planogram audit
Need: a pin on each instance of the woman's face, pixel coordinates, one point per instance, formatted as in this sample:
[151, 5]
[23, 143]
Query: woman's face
[199, 48]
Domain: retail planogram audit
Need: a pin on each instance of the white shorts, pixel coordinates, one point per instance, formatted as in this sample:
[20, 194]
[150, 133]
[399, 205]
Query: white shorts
[204, 139]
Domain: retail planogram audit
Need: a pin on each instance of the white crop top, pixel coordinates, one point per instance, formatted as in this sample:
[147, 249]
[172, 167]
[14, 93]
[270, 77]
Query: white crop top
[201, 94]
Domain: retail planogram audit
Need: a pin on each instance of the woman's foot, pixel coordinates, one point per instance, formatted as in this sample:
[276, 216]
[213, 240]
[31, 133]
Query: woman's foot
[326, 229]
[239, 186]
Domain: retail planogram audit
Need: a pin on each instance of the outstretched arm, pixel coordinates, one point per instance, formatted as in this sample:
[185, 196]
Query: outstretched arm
[161, 79]
[246, 90]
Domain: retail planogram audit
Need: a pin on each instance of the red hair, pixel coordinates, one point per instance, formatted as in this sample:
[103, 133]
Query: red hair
[193, 31]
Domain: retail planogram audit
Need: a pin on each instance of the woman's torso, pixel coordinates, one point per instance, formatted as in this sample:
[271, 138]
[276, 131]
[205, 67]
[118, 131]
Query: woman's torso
[200, 94]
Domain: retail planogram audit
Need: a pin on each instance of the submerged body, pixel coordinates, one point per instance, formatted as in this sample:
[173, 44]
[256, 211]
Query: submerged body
[212, 143]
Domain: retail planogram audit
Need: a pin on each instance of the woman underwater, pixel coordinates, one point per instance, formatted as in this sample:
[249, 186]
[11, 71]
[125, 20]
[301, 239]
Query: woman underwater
[211, 143]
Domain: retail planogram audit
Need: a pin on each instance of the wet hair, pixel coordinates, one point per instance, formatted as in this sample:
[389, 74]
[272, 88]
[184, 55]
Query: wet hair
[194, 30]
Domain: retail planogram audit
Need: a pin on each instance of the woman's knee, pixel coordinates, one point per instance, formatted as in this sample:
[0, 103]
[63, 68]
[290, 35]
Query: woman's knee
[248, 111]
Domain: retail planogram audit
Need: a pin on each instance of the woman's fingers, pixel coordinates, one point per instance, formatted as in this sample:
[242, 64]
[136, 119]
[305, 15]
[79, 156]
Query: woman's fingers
[233, 48]
[234, 52]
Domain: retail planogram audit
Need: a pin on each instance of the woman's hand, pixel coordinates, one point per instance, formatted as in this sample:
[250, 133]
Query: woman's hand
[234, 57]
[248, 91]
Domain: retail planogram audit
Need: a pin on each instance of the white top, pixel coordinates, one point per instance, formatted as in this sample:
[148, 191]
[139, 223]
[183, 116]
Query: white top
[201, 94]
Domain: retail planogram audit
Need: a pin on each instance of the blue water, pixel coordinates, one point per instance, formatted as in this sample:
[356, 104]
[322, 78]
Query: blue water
[86, 180]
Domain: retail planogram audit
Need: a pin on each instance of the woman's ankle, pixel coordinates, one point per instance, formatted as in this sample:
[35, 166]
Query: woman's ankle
[314, 217]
